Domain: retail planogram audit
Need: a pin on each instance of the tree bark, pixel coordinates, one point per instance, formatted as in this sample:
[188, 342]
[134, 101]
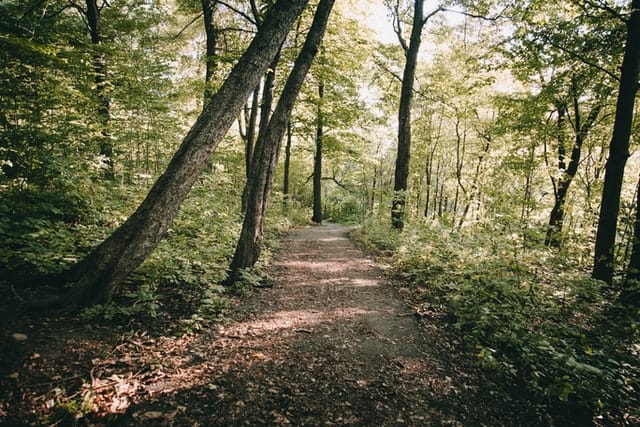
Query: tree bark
[404, 112]
[98, 275]
[265, 116]
[568, 172]
[603, 265]
[317, 161]
[211, 32]
[250, 140]
[287, 168]
[633, 269]
[267, 149]
[93, 14]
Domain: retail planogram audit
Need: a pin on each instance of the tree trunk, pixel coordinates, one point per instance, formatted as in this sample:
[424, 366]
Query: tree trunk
[559, 187]
[93, 14]
[568, 172]
[287, 167]
[250, 140]
[618, 151]
[267, 148]
[99, 274]
[404, 115]
[317, 161]
[211, 31]
[265, 116]
[633, 269]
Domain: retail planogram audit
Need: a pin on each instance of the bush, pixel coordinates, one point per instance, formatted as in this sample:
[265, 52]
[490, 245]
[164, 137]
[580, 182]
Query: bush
[532, 317]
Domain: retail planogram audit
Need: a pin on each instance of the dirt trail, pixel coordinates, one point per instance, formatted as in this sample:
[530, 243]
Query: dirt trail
[330, 343]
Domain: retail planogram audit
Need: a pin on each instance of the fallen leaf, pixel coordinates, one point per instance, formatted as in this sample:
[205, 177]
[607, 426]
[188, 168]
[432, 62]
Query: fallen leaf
[153, 415]
[19, 337]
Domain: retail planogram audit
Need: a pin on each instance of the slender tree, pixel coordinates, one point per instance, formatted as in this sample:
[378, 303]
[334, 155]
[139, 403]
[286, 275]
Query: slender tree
[211, 32]
[267, 148]
[97, 276]
[287, 168]
[317, 160]
[404, 112]
[603, 265]
[568, 171]
[633, 269]
[93, 15]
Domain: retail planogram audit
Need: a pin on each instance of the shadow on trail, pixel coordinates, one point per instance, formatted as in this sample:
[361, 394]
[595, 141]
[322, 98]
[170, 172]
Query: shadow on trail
[330, 344]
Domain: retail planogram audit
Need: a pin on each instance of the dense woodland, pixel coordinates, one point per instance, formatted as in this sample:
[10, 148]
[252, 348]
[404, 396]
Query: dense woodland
[152, 151]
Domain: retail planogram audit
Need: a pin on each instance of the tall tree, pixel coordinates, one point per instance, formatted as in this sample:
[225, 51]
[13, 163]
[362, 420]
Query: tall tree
[581, 127]
[267, 148]
[603, 265]
[93, 15]
[317, 159]
[211, 39]
[287, 168]
[97, 276]
[268, 86]
[404, 111]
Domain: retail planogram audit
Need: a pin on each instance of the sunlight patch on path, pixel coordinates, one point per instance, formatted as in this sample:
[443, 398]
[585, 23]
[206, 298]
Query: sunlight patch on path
[294, 318]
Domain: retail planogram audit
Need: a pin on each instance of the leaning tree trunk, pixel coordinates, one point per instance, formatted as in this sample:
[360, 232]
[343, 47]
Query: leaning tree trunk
[317, 161]
[98, 275]
[603, 265]
[267, 148]
[265, 116]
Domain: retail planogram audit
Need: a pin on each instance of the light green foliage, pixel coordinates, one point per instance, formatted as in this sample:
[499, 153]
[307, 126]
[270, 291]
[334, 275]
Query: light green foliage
[532, 317]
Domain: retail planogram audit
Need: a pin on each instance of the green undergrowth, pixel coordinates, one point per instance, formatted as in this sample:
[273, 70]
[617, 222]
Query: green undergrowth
[45, 230]
[542, 329]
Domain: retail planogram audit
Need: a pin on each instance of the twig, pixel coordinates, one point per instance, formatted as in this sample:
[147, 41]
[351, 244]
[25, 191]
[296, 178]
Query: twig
[62, 380]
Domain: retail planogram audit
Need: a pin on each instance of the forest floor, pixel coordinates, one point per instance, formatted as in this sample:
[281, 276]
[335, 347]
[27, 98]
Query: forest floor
[330, 341]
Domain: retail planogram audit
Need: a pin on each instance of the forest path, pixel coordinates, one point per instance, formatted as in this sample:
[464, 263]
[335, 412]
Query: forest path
[329, 344]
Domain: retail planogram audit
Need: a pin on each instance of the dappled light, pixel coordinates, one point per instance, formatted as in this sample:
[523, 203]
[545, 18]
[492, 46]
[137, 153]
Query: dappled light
[303, 318]
[319, 213]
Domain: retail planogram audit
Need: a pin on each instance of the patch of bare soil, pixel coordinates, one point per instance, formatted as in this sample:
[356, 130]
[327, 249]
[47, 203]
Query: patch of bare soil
[330, 343]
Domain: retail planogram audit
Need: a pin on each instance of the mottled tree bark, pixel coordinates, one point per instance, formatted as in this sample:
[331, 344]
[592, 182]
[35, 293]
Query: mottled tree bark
[603, 265]
[268, 148]
[98, 275]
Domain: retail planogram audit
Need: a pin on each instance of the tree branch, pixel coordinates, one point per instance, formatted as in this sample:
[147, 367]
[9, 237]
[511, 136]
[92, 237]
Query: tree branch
[580, 58]
[239, 12]
[603, 6]
[432, 14]
[190, 23]
[255, 11]
[338, 183]
[477, 16]
[397, 24]
[388, 70]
